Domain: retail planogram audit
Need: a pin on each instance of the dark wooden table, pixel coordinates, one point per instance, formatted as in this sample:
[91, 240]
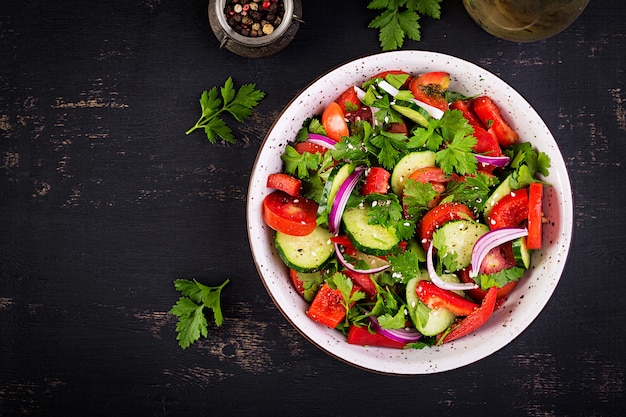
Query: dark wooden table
[104, 201]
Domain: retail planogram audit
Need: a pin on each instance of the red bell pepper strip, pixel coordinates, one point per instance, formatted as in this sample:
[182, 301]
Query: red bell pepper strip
[434, 297]
[285, 182]
[376, 181]
[510, 211]
[535, 214]
[361, 336]
[479, 317]
[364, 281]
[327, 307]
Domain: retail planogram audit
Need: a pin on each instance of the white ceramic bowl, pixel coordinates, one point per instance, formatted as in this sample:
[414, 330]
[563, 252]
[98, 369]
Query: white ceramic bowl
[528, 298]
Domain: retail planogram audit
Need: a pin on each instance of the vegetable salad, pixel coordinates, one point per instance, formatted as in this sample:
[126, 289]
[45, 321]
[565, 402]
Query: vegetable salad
[406, 212]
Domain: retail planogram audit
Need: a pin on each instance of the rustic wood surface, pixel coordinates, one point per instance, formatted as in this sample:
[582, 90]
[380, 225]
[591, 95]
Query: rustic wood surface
[104, 201]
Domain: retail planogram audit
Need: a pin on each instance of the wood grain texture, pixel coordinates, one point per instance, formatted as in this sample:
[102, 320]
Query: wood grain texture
[104, 201]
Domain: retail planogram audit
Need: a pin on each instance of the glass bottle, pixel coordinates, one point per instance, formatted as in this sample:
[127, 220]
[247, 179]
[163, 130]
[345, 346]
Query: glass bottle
[524, 20]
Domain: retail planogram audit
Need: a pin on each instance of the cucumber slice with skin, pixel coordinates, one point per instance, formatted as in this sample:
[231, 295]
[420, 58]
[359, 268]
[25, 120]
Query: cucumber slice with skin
[458, 237]
[406, 165]
[305, 253]
[337, 176]
[372, 239]
[521, 253]
[501, 190]
[429, 322]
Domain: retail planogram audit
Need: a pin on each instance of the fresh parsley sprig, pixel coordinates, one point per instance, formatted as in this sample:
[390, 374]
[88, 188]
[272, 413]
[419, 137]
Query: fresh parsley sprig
[400, 19]
[190, 309]
[238, 103]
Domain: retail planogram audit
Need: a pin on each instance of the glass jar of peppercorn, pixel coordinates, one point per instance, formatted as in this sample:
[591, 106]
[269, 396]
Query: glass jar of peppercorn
[255, 28]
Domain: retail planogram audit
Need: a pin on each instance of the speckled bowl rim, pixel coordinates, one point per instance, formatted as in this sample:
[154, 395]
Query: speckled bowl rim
[527, 300]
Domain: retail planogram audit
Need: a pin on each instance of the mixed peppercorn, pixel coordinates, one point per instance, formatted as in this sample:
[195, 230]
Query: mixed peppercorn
[254, 18]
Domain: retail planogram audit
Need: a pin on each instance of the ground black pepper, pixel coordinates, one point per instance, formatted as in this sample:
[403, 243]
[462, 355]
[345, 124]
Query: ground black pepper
[254, 18]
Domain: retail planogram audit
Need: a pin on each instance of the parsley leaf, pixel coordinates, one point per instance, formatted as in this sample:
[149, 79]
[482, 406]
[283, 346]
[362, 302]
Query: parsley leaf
[386, 210]
[190, 307]
[417, 196]
[499, 279]
[405, 266]
[237, 103]
[345, 286]
[400, 19]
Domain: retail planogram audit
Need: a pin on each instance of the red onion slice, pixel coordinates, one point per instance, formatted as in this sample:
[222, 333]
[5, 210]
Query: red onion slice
[436, 279]
[341, 199]
[398, 335]
[498, 161]
[351, 267]
[321, 140]
[490, 240]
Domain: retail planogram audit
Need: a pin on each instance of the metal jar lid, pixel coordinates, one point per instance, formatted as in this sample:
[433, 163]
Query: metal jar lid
[255, 47]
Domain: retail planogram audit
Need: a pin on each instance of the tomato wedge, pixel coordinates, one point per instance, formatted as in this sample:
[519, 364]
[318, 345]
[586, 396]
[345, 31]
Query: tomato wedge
[535, 214]
[302, 147]
[285, 182]
[364, 281]
[465, 107]
[334, 122]
[475, 320]
[348, 100]
[439, 215]
[479, 293]
[435, 177]
[288, 214]
[510, 210]
[361, 336]
[431, 87]
[376, 181]
[489, 113]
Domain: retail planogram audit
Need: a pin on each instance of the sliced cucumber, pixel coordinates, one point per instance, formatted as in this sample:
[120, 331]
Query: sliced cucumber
[458, 238]
[501, 190]
[429, 322]
[337, 176]
[411, 114]
[372, 239]
[305, 253]
[521, 253]
[406, 165]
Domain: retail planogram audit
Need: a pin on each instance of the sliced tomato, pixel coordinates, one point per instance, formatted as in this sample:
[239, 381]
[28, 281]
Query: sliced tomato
[288, 214]
[465, 107]
[535, 215]
[431, 87]
[510, 211]
[348, 100]
[489, 113]
[334, 122]
[363, 337]
[399, 127]
[478, 293]
[298, 285]
[327, 307]
[285, 182]
[348, 247]
[364, 281]
[362, 113]
[475, 320]
[434, 297]
[302, 147]
[376, 181]
[439, 215]
[435, 177]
